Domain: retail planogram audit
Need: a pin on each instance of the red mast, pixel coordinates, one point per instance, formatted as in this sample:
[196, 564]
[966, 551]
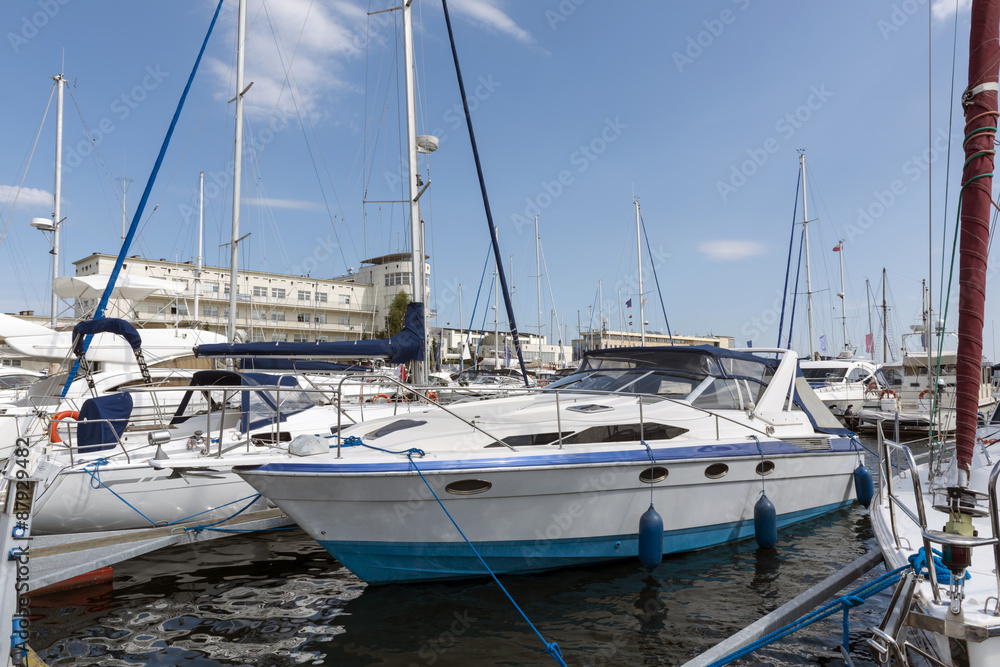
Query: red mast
[980, 102]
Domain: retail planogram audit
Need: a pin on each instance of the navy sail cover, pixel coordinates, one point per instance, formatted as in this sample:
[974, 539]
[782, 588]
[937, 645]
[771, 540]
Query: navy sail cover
[105, 324]
[407, 345]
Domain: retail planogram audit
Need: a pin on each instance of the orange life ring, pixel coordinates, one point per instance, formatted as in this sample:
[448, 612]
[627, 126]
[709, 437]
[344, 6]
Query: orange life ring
[385, 396]
[925, 393]
[888, 392]
[431, 395]
[56, 418]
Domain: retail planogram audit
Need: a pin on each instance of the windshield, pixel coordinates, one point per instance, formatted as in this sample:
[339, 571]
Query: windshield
[824, 374]
[634, 381]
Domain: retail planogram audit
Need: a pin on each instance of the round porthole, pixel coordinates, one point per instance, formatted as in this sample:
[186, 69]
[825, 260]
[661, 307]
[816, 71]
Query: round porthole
[468, 487]
[653, 475]
[765, 468]
[716, 470]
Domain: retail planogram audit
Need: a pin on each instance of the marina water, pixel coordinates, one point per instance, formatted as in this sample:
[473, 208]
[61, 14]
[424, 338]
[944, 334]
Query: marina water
[280, 599]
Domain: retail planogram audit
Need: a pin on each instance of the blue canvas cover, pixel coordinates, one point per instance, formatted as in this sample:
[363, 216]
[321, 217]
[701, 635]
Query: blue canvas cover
[407, 345]
[96, 436]
[105, 324]
[284, 364]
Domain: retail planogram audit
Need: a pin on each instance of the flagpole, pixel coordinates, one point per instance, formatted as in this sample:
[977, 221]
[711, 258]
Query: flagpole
[843, 301]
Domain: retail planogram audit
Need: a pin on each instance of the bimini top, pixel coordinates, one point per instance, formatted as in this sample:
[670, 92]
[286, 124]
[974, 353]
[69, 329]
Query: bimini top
[699, 360]
[405, 346]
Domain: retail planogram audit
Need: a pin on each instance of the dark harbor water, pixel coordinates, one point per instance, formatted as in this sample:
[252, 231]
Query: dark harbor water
[280, 599]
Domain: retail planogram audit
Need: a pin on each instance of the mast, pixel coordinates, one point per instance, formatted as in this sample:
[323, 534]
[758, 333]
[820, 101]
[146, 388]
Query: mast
[461, 328]
[201, 221]
[805, 241]
[871, 335]
[57, 196]
[237, 164]
[642, 308]
[885, 323]
[496, 316]
[416, 247]
[843, 302]
[538, 288]
[980, 102]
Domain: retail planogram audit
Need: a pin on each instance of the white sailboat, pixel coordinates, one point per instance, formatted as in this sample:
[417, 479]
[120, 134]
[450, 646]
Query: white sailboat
[943, 506]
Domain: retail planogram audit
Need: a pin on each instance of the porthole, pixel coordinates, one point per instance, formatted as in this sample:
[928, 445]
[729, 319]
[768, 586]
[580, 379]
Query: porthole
[653, 475]
[765, 468]
[468, 487]
[716, 470]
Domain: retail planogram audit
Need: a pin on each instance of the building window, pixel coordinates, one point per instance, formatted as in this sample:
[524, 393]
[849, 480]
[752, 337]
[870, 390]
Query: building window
[322, 339]
[302, 317]
[343, 320]
[213, 288]
[344, 299]
[279, 338]
[183, 283]
[305, 295]
[321, 297]
[259, 314]
[300, 338]
[258, 337]
[277, 293]
[278, 316]
[260, 291]
[209, 311]
[321, 318]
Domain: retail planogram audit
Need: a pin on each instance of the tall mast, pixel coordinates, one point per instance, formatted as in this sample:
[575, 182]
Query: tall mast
[237, 163]
[538, 288]
[496, 314]
[885, 324]
[805, 241]
[843, 301]
[57, 196]
[642, 308]
[416, 247]
[461, 328]
[201, 222]
[871, 335]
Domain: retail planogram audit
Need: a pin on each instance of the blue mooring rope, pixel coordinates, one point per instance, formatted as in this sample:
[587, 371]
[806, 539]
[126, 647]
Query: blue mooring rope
[551, 648]
[846, 602]
[355, 441]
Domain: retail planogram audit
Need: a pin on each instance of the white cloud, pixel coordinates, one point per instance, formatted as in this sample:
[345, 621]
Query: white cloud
[33, 197]
[487, 13]
[946, 9]
[296, 204]
[727, 250]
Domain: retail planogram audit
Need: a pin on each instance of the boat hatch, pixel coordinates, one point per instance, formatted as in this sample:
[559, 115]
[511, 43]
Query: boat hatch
[624, 433]
[653, 475]
[590, 407]
[397, 425]
[529, 439]
[716, 470]
[468, 487]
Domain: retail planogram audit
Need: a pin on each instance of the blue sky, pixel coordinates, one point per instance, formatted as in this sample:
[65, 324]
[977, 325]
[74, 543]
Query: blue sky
[697, 109]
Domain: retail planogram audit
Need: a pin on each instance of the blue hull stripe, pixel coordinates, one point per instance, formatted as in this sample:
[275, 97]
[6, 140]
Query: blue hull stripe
[564, 457]
[385, 562]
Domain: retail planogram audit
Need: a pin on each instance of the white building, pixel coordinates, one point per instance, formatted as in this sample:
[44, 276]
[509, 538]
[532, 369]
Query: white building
[270, 306]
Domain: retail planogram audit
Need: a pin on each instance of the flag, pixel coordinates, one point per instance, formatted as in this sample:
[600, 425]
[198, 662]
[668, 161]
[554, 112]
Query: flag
[868, 343]
[839, 247]
[628, 304]
[822, 343]
[749, 343]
